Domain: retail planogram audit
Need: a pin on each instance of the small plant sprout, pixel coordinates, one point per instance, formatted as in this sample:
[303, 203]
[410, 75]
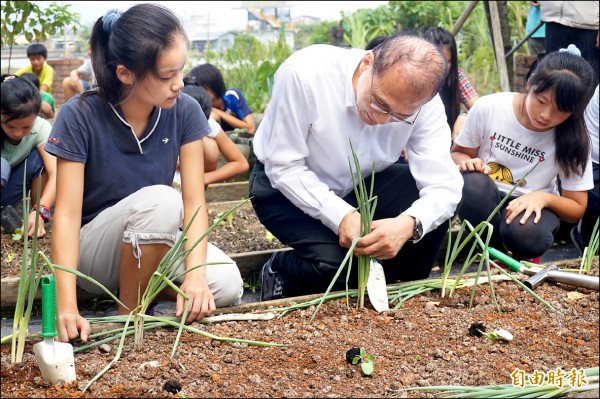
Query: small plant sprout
[17, 235]
[478, 330]
[219, 218]
[269, 236]
[499, 334]
[367, 362]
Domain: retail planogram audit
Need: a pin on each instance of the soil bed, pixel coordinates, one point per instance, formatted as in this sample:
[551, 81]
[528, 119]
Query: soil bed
[426, 342]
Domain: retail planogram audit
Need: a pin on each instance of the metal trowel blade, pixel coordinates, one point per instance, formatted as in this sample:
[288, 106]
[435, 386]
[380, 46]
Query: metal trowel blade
[56, 361]
[376, 287]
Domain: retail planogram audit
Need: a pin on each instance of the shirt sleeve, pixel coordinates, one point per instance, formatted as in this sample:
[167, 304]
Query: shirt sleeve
[438, 180]
[68, 137]
[43, 128]
[23, 70]
[215, 128]
[466, 89]
[195, 125]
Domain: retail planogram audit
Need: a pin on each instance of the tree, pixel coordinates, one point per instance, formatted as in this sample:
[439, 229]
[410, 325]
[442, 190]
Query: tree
[35, 20]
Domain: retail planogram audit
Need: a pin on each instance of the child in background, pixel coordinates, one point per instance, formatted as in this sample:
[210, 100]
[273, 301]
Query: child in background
[117, 147]
[48, 103]
[38, 55]
[216, 142]
[23, 138]
[457, 89]
[79, 80]
[538, 136]
[582, 233]
[230, 108]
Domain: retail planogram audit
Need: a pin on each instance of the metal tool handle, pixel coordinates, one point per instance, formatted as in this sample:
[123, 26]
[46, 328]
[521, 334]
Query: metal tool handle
[507, 260]
[48, 307]
[576, 279]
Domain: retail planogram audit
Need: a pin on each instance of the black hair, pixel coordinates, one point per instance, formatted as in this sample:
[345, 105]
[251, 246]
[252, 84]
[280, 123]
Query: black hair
[199, 94]
[423, 56]
[449, 91]
[37, 49]
[135, 39]
[209, 77]
[376, 41]
[32, 77]
[19, 99]
[570, 78]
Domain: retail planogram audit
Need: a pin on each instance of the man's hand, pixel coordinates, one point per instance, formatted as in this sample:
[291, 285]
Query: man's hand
[349, 228]
[387, 237]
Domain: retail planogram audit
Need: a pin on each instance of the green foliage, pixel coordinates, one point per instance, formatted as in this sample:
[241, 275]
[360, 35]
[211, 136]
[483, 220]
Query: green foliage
[34, 20]
[252, 74]
[415, 15]
[357, 36]
[313, 34]
[252, 282]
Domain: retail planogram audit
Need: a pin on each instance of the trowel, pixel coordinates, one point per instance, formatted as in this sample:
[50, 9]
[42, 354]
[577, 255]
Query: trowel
[55, 359]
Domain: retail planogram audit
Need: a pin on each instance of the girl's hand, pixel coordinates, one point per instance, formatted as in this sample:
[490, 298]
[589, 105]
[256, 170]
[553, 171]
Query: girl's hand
[473, 165]
[528, 203]
[202, 302]
[41, 232]
[73, 325]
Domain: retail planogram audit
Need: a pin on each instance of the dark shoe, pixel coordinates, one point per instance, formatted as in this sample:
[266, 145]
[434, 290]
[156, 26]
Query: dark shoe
[577, 240]
[271, 282]
[10, 219]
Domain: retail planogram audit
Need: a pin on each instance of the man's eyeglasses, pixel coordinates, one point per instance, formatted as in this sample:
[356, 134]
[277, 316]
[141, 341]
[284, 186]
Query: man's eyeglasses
[390, 115]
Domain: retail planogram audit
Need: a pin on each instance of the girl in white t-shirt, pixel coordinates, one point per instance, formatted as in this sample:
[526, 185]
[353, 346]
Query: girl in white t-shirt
[529, 140]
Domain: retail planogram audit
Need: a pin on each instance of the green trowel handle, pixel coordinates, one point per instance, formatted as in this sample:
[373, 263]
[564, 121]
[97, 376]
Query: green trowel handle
[507, 260]
[48, 307]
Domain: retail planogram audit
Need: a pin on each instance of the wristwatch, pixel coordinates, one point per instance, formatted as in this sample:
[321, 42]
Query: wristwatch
[44, 211]
[417, 230]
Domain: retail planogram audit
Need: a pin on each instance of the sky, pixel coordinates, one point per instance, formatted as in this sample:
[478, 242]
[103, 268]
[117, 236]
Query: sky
[228, 13]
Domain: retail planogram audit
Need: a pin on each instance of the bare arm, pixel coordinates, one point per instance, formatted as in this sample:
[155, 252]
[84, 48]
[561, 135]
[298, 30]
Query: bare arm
[65, 246]
[472, 101]
[191, 160]
[236, 161]
[246, 123]
[48, 195]
[46, 111]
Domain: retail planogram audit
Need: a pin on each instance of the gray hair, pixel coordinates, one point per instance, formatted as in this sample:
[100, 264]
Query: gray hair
[424, 61]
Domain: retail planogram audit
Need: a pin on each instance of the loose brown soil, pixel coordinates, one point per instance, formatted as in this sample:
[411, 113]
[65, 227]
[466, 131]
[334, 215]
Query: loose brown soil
[425, 342]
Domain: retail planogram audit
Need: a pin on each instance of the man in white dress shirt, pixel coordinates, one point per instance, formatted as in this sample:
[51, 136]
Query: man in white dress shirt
[301, 187]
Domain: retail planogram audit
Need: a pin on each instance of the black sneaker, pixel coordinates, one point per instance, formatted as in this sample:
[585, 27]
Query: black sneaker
[577, 240]
[10, 219]
[271, 282]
